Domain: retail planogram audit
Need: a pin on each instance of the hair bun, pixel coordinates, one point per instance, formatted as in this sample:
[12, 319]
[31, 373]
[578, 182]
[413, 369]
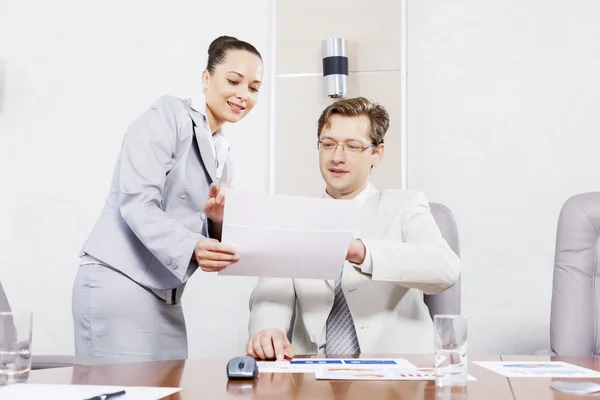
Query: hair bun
[220, 41]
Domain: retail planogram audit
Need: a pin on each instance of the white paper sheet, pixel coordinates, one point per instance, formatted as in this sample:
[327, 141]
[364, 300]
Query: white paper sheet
[33, 391]
[284, 367]
[377, 373]
[547, 369]
[288, 236]
[311, 365]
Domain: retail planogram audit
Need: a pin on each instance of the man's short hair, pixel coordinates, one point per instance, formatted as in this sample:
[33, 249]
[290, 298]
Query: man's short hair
[380, 120]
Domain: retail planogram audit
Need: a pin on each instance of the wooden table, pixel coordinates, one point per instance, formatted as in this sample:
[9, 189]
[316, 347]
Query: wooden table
[206, 379]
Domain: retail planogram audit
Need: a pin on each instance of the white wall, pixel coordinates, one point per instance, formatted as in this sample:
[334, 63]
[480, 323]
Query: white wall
[503, 127]
[77, 73]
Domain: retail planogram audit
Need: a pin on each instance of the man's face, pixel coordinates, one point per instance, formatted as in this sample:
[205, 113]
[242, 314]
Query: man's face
[346, 169]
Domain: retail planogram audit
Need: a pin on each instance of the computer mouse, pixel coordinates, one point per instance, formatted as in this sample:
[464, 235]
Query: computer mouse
[244, 367]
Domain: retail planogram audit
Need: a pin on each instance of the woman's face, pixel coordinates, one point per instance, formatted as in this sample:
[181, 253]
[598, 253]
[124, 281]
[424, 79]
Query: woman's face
[231, 91]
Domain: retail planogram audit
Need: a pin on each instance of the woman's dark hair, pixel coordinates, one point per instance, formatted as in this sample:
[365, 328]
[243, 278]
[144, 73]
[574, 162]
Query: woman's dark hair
[217, 51]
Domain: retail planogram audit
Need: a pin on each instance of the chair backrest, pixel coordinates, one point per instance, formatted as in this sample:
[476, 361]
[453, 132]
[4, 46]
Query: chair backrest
[575, 308]
[447, 302]
[4, 304]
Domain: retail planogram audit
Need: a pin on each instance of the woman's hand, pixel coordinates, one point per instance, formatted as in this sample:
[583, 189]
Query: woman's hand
[215, 204]
[213, 256]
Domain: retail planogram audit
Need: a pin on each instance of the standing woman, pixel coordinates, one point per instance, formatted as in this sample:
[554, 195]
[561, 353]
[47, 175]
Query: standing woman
[162, 218]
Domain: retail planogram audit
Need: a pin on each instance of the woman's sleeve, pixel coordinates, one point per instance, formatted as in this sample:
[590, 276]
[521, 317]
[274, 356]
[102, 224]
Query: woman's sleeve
[146, 158]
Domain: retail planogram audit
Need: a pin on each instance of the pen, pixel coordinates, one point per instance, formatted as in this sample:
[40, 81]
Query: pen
[107, 396]
[286, 357]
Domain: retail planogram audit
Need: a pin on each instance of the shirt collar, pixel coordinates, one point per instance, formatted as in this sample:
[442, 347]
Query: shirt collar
[362, 196]
[198, 104]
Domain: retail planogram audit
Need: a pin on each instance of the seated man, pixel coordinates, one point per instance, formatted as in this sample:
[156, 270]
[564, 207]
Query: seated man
[397, 254]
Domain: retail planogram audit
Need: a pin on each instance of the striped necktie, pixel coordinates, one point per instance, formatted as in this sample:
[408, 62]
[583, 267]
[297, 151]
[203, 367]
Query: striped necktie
[341, 334]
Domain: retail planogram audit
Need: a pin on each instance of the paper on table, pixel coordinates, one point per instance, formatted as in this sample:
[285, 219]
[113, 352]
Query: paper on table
[288, 236]
[284, 367]
[377, 373]
[310, 365]
[544, 369]
[34, 391]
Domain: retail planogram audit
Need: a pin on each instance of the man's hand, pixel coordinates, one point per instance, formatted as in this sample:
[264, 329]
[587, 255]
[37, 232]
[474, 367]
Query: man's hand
[213, 256]
[269, 344]
[356, 252]
[215, 204]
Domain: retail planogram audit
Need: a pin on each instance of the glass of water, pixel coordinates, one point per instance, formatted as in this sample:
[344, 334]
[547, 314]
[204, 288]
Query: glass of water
[450, 350]
[455, 392]
[15, 346]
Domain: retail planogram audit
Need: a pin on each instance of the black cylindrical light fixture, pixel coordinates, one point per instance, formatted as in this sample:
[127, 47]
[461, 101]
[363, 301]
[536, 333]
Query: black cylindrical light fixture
[335, 67]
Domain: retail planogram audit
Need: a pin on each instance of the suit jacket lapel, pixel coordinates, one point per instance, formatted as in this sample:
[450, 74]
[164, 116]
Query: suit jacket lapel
[204, 145]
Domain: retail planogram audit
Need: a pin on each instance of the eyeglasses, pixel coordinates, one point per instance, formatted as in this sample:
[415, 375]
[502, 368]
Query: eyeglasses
[351, 147]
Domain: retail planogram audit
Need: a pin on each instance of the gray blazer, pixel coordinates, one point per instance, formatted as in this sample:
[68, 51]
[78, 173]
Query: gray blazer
[153, 218]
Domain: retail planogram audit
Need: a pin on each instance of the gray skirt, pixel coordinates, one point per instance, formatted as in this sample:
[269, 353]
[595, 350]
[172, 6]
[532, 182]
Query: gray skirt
[117, 320]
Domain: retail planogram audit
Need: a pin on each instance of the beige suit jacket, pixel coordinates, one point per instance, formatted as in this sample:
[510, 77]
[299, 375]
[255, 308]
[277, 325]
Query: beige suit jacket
[410, 257]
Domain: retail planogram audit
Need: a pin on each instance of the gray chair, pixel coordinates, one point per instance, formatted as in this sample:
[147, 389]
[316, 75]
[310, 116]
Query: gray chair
[575, 307]
[449, 301]
[49, 361]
